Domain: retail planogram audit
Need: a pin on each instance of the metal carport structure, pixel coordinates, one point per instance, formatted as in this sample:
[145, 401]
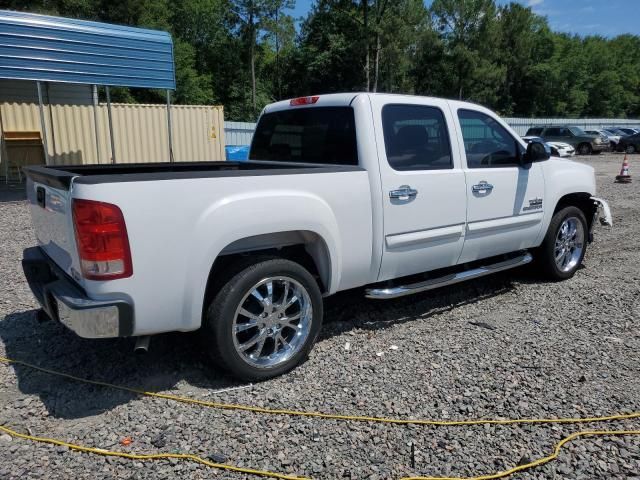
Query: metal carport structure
[45, 48]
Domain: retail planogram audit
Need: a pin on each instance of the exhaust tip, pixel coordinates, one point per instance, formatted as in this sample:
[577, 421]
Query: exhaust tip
[142, 345]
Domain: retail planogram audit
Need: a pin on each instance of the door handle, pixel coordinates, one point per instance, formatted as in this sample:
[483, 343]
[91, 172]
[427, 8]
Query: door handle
[405, 192]
[483, 186]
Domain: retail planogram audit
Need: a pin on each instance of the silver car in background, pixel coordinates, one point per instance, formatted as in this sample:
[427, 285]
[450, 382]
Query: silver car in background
[614, 138]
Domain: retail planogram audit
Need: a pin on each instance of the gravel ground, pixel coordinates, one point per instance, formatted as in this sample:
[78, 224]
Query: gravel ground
[545, 349]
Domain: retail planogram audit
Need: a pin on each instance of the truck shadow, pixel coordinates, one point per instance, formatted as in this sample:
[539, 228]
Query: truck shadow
[350, 310]
[12, 192]
[172, 365]
[175, 362]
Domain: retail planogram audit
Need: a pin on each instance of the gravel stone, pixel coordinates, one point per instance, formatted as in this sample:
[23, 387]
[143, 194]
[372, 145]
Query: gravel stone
[554, 349]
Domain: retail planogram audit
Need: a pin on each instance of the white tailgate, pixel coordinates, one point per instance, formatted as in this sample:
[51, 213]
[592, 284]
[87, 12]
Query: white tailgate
[53, 225]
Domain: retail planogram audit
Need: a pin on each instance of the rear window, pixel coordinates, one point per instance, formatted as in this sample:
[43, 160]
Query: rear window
[307, 135]
[534, 131]
[416, 137]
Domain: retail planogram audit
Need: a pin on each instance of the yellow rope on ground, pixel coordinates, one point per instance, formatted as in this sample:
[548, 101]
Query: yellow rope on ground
[325, 416]
[540, 461]
[153, 456]
[330, 416]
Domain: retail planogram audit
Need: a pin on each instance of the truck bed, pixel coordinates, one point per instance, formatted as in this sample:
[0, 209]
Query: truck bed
[60, 176]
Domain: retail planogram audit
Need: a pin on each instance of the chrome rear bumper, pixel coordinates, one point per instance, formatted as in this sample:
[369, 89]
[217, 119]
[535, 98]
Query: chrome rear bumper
[64, 300]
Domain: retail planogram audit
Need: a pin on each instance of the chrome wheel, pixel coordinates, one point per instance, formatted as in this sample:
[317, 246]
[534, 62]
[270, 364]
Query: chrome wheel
[272, 322]
[569, 244]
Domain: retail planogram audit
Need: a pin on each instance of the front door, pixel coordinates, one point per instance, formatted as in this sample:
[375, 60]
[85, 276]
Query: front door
[423, 186]
[505, 199]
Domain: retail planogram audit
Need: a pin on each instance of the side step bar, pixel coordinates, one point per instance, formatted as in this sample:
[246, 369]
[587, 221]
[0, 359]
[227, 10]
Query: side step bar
[402, 290]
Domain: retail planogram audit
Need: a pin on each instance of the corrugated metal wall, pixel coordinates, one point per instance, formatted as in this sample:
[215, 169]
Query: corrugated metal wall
[140, 131]
[240, 133]
[521, 125]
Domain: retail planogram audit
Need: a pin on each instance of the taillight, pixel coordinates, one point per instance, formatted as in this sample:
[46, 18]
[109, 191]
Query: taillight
[101, 236]
[295, 102]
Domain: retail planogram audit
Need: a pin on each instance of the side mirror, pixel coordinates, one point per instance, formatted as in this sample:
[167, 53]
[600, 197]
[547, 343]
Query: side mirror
[537, 151]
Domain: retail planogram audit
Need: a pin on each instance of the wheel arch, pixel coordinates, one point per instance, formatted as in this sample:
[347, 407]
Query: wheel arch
[305, 247]
[581, 200]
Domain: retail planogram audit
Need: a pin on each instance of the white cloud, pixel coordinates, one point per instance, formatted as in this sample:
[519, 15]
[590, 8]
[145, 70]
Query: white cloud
[533, 3]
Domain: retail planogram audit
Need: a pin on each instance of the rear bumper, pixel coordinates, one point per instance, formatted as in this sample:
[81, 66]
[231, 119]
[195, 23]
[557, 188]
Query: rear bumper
[64, 300]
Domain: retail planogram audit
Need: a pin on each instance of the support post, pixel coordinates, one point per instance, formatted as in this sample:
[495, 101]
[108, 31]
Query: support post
[113, 145]
[4, 157]
[95, 121]
[171, 159]
[43, 125]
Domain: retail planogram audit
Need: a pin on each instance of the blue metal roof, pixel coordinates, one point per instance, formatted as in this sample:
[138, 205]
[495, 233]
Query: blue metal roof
[57, 49]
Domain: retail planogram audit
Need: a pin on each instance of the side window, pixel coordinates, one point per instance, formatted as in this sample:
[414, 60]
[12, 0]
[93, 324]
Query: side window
[416, 138]
[486, 142]
[553, 132]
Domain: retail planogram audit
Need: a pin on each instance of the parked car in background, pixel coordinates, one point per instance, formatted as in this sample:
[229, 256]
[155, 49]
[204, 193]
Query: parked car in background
[630, 143]
[627, 131]
[613, 138]
[557, 149]
[615, 131]
[561, 149]
[584, 143]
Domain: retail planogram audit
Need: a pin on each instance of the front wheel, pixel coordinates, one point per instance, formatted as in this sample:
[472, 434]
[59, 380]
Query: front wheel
[264, 321]
[584, 149]
[630, 149]
[564, 245]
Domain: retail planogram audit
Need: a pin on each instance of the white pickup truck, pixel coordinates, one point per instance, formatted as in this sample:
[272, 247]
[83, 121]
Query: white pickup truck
[397, 193]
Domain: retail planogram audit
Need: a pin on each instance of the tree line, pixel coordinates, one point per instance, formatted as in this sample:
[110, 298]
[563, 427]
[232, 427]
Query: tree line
[244, 54]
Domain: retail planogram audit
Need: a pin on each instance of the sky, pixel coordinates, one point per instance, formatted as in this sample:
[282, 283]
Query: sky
[607, 18]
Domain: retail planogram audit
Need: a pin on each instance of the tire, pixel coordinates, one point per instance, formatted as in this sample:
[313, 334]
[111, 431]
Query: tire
[559, 239]
[584, 149]
[630, 149]
[256, 339]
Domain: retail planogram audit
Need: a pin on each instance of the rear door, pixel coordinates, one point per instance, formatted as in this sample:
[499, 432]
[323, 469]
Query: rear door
[423, 185]
[505, 200]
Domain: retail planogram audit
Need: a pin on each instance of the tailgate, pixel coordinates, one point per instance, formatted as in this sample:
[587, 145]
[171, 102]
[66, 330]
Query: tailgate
[53, 224]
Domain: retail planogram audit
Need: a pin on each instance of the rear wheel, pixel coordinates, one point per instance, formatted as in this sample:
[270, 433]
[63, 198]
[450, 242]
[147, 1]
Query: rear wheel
[584, 149]
[630, 149]
[264, 320]
[564, 245]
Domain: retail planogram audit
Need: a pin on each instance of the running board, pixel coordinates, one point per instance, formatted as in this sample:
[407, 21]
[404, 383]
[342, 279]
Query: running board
[450, 279]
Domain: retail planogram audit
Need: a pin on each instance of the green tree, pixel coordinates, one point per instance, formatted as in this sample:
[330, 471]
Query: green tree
[470, 32]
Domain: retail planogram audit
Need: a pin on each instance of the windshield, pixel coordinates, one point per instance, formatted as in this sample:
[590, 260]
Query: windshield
[307, 135]
[577, 131]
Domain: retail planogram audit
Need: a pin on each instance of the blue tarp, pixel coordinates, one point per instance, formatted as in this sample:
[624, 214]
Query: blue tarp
[239, 153]
[57, 49]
